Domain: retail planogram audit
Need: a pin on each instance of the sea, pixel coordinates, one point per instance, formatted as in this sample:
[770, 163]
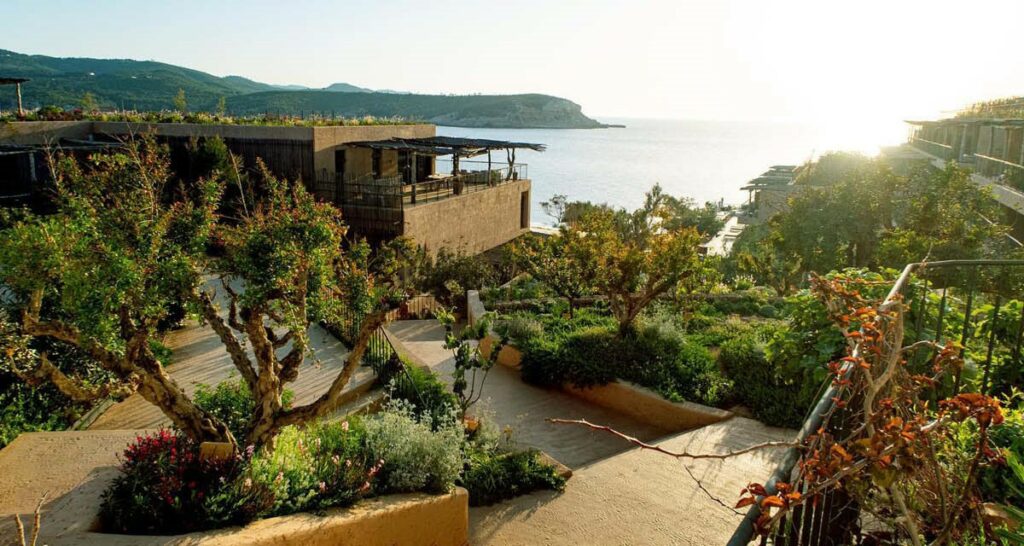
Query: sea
[703, 160]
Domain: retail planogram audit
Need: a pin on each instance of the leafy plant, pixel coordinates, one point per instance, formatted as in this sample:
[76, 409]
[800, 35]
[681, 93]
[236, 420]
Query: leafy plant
[417, 454]
[492, 477]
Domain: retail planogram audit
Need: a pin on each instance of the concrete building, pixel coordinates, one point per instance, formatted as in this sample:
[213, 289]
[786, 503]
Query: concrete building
[992, 148]
[384, 177]
[768, 193]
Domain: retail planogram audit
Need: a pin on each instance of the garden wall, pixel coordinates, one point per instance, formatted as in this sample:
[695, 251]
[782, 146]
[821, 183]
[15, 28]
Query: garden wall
[87, 462]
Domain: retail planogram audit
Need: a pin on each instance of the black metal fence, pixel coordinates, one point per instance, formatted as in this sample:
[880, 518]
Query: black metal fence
[975, 303]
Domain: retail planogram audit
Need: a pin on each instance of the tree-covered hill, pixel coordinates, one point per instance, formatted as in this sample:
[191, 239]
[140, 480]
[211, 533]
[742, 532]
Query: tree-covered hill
[530, 110]
[151, 85]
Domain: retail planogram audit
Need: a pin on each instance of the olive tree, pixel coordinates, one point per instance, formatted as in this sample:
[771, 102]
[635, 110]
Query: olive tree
[564, 267]
[116, 258]
[636, 256]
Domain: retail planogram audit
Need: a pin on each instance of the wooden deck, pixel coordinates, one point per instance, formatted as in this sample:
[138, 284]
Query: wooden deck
[200, 358]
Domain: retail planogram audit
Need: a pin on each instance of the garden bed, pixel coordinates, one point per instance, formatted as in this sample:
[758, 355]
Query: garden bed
[88, 463]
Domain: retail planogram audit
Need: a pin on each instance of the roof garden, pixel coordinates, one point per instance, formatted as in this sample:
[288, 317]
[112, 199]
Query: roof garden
[203, 118]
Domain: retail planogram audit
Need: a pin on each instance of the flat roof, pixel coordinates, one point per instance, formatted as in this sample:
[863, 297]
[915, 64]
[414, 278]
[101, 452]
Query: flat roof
[445, 145]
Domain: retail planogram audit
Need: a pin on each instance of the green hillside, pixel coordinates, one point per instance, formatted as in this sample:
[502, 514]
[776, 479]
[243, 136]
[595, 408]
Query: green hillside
[456, 110]
[150, 85]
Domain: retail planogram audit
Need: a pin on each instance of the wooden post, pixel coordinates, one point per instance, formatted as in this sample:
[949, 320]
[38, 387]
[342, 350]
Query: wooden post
[489, 182]
[17, 91]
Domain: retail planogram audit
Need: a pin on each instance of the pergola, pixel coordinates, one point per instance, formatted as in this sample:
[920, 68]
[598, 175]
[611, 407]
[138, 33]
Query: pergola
[16, 82]
[457, 147]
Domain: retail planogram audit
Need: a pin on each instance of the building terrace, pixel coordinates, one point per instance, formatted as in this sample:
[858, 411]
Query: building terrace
[389, 180]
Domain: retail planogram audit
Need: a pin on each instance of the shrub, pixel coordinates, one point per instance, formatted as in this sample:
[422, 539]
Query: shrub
[759, 385]
[232, 402]
[589, 356]
[677, 368]
[657, 356]
[320, 466]
[164, 487]
[492, 477]
[520, 328]
[417, 455]
[425, 394]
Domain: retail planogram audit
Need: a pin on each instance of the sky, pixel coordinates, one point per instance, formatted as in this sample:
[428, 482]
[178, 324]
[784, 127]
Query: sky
[865, 62]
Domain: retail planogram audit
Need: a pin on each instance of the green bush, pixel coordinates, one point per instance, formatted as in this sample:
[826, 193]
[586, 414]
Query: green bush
[231, 402]
[417, 455]
[165, 487]
[1002, 483]
[760, 386]
[588, 351]
[319, 466]
[520, 328]
[492, 477]
[425, 394]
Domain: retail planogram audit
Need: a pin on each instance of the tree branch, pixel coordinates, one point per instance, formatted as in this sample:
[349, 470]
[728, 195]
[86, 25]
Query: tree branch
[677, 454]
[72, 387]
[327, 401]
[234, 347]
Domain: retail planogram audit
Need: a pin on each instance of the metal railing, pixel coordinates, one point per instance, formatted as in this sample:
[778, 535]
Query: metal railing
[392, 193]
[444, 187]
[1002, 171]
[937, 149]
[965, 301]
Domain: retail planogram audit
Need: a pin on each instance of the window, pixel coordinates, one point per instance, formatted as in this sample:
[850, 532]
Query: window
[524, 210]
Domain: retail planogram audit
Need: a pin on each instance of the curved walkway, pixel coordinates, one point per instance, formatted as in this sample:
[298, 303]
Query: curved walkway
[618, 494]
[523, 407]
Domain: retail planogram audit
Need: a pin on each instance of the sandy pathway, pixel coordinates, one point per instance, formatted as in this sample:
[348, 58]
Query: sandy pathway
[525, 408]
[618, 494]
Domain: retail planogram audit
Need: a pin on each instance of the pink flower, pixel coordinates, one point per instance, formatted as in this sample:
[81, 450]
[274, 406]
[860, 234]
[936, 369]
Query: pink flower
[344, 426]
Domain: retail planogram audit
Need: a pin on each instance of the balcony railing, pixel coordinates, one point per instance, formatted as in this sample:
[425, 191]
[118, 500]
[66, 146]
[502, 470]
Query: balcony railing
[937, 149]
[999, 170]
[391, 193]
[970, 302]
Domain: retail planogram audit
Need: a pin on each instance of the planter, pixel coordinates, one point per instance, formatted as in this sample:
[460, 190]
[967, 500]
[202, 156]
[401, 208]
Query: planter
[88, 462]
[510, 355]
[648, 406]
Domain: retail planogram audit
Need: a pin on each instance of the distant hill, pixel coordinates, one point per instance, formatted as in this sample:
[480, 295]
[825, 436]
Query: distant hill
[455, 110]
[151, 85]
[346, 88]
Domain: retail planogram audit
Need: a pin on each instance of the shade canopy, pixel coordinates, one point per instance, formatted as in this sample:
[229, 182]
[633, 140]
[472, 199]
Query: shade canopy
[442, 145]
[12, 81]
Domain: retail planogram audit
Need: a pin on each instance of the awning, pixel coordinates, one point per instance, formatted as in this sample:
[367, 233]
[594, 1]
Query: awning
[441, 145]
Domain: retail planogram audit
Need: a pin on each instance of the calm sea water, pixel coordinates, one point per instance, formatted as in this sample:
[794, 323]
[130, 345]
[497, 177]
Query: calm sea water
[704, 160]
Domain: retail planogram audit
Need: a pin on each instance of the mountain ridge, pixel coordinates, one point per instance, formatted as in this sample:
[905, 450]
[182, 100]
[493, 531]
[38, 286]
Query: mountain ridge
[152, 85]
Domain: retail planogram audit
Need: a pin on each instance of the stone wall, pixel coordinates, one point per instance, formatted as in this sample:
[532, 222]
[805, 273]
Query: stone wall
[474, 222]
[43, 132]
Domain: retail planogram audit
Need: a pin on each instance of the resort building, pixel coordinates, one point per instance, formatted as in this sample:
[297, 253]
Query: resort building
[389, 180]
[992, 148]
[767, 194]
